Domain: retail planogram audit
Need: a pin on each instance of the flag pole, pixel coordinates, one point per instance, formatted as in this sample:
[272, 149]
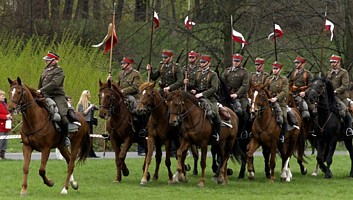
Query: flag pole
[275, 37]
[323, 43]
[151, 41]
[231, 33]
[188, 32]
[111, 41]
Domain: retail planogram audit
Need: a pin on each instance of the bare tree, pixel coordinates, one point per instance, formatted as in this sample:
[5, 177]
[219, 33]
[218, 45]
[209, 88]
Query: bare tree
[68, 7]
[140, 10]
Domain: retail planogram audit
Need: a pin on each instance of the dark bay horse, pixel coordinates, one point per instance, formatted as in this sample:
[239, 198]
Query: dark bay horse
[328, 127]
[266, 134]
[159, 130]
[196, 128]
[39, 133]
[123, 132]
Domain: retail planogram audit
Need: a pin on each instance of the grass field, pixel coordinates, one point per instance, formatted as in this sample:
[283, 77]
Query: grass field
[96, 177]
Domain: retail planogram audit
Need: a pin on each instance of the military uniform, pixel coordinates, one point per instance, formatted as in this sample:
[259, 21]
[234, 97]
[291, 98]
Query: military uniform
[171, 76]
[191, 75]
[130, 82]
[258, 78]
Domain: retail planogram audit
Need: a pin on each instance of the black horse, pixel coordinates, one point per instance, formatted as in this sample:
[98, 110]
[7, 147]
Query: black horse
[328, 126]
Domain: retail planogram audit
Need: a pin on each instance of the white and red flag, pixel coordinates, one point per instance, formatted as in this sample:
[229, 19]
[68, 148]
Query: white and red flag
[108, 39]
[277, 32]
[329, 26]
[238, 37]
[156, 20]
[188, 24]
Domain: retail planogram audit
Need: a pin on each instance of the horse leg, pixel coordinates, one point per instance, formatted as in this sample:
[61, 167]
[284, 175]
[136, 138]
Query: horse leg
[266, 155]
[158, 160]
[70, 165]
[215, 159]
[349, 147]
[252, 147]
[319, 156]
[127, 144]
[242, 145]
[167, 161]
[225, 153]
[43, 164]
[203, 165]
[195, 155]
[116, 147]
[273, 162]
[150, 144]
[183, 147]
[332, 148]
[303, 169]
[27, 152]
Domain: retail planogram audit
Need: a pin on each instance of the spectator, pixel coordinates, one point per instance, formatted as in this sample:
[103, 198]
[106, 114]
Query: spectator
[5, 124]
[87, 109]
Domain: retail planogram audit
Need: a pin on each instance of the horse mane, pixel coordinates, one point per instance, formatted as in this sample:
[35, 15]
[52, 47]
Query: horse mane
[330, 91]
[40, 101]
[224, 94]
[189, 96]
[146, 85]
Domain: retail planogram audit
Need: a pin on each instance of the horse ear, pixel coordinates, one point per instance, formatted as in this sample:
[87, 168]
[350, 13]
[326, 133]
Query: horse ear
[10, 81]
[19, 81]
[109, 83]
[100, 83]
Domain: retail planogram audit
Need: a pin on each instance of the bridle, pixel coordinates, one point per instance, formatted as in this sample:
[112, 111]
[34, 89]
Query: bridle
[150, 105]
[111, 106]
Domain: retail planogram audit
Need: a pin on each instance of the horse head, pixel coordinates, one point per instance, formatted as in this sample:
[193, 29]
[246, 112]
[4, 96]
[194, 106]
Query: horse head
[148, 99]
[176, 108]
[321, 91]
[20, 96]
[110, 98]
[259, 99]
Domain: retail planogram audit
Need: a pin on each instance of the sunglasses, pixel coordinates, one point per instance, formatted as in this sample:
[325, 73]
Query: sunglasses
[257, 64]
[333, 61]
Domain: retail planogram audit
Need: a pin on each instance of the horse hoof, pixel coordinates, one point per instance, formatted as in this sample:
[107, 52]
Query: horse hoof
[251, 175]
[74, 185]
[116, 181]
[195, 173]
[304, 172]
[126, 172]
[187, 167]
[63, 191]
[50, 183]
[201, 184]
[314, 174]
[23, 193]
[143, 182]
[229, 172]
[214, 168]
[172, 182]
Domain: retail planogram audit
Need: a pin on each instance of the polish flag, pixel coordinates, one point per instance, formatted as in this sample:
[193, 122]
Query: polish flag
[277, 33]
[238, 37]
[329, 26]
[188, 23]
[108, 39]
[155, 20]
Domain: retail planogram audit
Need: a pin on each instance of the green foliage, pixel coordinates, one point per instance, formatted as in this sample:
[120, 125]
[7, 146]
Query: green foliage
[95, 179]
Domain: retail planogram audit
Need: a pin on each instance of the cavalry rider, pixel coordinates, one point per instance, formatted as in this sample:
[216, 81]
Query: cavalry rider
[340, 81]
[237, 80]
[206, 85]
[51, 84]
[277, 85]
[129, 80]
[299, 82]
[190, 70]
[258, 77]
[170, 73]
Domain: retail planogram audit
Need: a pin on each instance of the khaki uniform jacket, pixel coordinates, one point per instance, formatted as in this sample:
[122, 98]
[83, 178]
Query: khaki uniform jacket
[170, 74]
[300, 80]
[130, 83]
[237, 81]
[51, 84]
[277, 86]
[191, 75]
[207, 83]
[340, 82]
[258, 78]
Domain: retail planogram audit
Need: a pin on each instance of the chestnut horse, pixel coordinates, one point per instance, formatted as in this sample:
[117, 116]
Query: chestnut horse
[266, 133]
[196, 128]
[39, 133]
[123, 132]
[328, 127]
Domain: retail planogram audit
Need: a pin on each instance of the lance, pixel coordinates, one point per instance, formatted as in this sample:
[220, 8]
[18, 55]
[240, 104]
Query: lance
[151, 41]
[111, 41]
[179, 56]
[323, 43]
[139, 65]
[188, 32]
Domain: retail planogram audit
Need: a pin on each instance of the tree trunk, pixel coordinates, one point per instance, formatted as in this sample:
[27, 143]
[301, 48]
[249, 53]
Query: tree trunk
[55, 10]
[198, 13]
[140, 10]
[68, 7]
[348, 48]
[40, 9]
[82, 9]
[119, 11]
[173, 10]
[96, 9]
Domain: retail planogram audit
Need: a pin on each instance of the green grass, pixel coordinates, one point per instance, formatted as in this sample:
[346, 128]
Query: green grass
[96, 177]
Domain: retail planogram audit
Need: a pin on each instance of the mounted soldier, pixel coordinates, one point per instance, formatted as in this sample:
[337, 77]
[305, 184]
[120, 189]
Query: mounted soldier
[237, 79]
[277, 86]
[258, 77]
[299, 82]
[51, 85]
[340, 81]
[190, 70]
[169, 72]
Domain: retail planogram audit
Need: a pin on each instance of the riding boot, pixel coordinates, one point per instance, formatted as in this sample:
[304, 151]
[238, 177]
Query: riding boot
[305, 110]
[348, 121]
[283, 132]
[278, 112]
[291, 117]
[237, 107]
[65, 131]
[215, 135]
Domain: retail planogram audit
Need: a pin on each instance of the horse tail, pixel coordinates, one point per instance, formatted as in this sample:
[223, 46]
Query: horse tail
[84, 147]
[238, 154]
[300, 146]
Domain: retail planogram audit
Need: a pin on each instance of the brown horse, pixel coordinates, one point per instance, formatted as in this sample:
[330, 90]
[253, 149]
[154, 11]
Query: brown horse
[123, 132]
[196, 129]
[39, 133]
[159, 130]
[266, 133]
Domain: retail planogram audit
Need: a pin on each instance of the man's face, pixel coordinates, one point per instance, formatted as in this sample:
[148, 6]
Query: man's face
[192, 59]
[335, 64]
[299, 65]
[52, 63]
[259, 67]
[204, 64]
[236, 62]
[166, 59]
[124, 66]
[276, 70]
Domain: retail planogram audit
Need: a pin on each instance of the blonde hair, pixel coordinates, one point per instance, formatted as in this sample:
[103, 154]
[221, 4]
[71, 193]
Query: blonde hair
[2, 92]
[84, 101]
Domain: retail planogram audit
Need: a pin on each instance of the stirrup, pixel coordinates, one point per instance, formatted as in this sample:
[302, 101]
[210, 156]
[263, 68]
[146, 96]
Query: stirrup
[67, 141]
[281, 138]
[349, 132]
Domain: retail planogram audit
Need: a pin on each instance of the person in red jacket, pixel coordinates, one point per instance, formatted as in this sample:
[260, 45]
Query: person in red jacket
[4, 116]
